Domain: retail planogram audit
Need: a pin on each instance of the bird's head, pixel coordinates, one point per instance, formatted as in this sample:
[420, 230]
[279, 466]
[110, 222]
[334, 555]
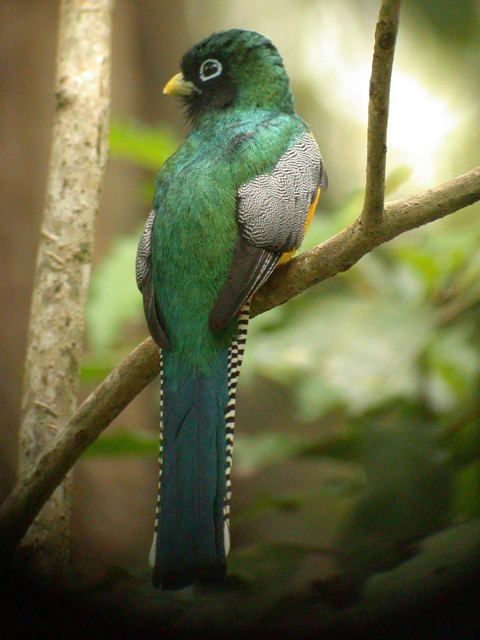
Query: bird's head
[234, 68]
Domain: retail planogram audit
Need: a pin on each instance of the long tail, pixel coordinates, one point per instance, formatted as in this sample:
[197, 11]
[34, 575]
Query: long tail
[197, 420]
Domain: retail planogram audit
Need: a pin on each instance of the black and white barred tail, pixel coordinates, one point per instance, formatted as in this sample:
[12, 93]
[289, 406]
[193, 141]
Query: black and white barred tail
[151, 558]
[235, 357]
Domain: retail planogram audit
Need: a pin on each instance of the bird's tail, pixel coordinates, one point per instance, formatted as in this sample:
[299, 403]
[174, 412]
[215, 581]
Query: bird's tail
[192, 539]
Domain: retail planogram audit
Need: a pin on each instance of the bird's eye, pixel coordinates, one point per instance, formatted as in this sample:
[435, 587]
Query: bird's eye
[210, 69]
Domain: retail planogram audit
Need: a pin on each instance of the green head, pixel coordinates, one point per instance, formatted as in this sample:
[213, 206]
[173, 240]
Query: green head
[232, 69]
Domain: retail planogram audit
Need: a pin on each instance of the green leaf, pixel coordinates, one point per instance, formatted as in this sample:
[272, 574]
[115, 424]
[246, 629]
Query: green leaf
[344, 446]
[254, 452]
[270, 566]
[114, 298]
[96, 368]
[314, 397]
[446, 559]
[396, 178]
[407, 494]
[453, 363]
[267, 503]
[456, 23]
[467, 491]
[344, 351]
[123, 443]
[143, 145]
[438, 257]
[464, 442]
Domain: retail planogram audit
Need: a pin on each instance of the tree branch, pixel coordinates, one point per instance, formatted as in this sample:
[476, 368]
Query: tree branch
[77, 160]
[141, 366]
[345, 248]
[378, 106]
[95, 414]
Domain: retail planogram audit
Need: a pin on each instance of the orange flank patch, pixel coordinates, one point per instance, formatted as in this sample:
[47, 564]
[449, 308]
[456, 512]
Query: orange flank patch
[289, 254]
[286, 257]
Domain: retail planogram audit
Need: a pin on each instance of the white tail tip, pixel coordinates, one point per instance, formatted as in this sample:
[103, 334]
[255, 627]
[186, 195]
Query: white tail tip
[226, 537]
[153, 551]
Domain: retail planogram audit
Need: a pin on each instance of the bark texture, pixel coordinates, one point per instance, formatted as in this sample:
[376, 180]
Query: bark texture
[378, 106]
[77, 160]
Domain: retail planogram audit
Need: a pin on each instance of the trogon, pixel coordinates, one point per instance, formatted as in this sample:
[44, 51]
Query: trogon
[230, 204]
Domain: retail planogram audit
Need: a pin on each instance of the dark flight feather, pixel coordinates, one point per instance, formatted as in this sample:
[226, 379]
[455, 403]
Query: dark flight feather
[152, 314]
[251, 266]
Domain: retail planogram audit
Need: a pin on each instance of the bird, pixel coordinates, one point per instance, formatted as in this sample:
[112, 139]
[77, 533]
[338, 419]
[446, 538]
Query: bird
[232, 203]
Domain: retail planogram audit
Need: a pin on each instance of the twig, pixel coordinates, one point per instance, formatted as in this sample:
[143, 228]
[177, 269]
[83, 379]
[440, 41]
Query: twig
[378, 105]
[141, 366]
[344, 249]
[77, 159]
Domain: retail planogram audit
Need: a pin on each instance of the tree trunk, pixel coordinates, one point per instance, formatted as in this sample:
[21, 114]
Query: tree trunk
[56, 330]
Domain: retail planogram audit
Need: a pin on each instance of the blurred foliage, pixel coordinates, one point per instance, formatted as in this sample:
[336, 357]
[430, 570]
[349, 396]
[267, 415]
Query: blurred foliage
[387, 354]
[256, 599]
[114, 297]
[457, 21]
[406, 494]
[123, 443]
[147, 147]
[391, 349]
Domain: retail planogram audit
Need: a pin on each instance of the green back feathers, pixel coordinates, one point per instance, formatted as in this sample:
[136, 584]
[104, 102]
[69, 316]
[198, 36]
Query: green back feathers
[243, 121]
[237, 94]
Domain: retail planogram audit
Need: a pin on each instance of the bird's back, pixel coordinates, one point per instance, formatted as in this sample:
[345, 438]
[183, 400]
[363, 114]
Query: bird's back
[196, 227]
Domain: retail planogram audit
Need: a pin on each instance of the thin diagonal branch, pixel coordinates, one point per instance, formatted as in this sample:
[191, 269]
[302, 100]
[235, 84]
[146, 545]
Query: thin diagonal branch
[95, 414]
[141, 366]
[378, 106]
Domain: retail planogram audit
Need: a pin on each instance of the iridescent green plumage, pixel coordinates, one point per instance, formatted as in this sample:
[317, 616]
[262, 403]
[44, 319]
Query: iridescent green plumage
[200, 263]
[196, 230]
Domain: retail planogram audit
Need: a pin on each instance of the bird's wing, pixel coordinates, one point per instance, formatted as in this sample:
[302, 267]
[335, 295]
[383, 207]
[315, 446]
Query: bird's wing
[143, 273]
[273, 211]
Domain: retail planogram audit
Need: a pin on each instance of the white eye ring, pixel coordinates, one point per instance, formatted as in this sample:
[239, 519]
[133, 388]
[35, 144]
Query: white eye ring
[215, 74]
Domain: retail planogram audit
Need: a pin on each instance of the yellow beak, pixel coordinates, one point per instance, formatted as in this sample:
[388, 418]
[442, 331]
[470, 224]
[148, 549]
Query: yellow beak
[178, 86]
